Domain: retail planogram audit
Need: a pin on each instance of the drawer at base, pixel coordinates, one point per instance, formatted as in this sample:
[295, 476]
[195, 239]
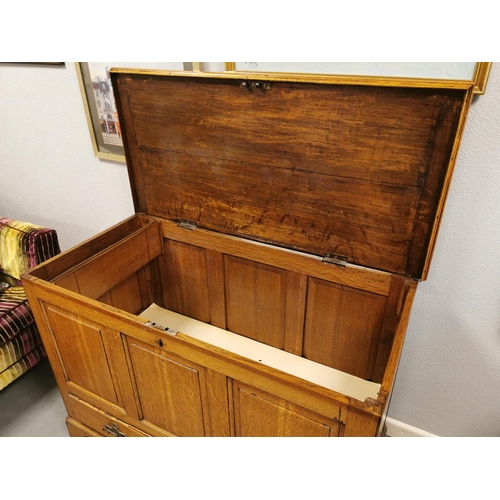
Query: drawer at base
[101, 422]
[76, 429]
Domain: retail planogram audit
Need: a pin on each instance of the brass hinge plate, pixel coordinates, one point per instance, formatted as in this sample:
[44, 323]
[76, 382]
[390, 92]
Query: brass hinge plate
[335, 259]
[255, 85]
[187, 224]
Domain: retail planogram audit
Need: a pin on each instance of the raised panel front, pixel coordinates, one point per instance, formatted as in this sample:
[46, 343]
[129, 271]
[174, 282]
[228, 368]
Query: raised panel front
[169, 390]
[258, 414]
[80, 343]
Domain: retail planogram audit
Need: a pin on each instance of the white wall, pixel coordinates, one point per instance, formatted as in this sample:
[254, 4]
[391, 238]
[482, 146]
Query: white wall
[48, 172]
[449, 377]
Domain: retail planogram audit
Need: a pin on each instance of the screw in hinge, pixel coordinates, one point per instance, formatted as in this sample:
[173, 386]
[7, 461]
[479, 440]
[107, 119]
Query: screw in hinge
[338, 260]
[256, 85]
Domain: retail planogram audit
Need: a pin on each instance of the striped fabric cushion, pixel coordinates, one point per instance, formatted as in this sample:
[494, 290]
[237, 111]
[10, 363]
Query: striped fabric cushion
[11, 352]
[15, 313]
[22, 366]
[24, 245]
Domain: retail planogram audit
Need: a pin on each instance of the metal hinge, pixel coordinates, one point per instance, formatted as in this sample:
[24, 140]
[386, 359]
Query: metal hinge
[337, 260]
[256, 85]
[165, 329]
[187, 224]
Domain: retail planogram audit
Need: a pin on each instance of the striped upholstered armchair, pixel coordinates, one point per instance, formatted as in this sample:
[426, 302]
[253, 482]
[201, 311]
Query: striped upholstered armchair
[22, 246]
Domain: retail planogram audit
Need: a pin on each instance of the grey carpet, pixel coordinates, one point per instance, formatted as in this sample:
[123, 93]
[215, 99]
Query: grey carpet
[32, 406]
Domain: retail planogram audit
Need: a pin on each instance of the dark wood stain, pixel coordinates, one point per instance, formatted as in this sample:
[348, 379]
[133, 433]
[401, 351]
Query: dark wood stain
[318, 168]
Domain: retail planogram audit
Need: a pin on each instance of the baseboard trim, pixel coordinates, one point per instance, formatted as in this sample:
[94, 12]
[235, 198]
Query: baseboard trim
[395, 428]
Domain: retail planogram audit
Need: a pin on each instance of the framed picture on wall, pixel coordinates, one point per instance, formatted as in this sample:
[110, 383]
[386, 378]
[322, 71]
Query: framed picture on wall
[476, 72]
[100, 107]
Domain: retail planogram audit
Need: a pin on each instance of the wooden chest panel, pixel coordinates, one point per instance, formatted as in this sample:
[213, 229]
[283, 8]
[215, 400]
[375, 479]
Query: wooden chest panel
[256, 300]
[337, 212]
[343, 327]
[352, 170]
[86, 359]
[185, 278]
[173, 402]
[126, 295]
[258, 414]
[334, 324]
[290, 120]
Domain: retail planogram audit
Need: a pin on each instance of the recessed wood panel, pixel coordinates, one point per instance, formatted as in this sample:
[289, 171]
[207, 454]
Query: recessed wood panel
[256, 300]
[81, 347]
[216, 288]
[125, 296]
[168, 389]
[109, 268]
[184, 280]
[91, 247]
[296, 294]
[343, 327]
[258, 414]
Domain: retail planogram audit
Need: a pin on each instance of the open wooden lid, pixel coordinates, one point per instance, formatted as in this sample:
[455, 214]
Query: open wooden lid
[354, 170]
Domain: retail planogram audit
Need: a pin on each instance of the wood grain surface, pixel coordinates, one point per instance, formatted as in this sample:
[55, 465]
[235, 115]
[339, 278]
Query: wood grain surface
[256, 300]
[85, 361]
[174, 401]
[342, 328]
[258, 414]
[352, 170]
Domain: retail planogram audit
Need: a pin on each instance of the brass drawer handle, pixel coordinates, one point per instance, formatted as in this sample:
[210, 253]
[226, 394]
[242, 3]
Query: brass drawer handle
[113, 429]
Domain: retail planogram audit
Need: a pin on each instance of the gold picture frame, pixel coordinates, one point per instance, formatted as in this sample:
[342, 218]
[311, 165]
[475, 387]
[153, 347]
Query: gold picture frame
[479, 78]
[481, 75]
[100, 109]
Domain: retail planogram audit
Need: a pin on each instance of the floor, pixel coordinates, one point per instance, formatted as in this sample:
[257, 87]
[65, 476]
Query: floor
[32, 406]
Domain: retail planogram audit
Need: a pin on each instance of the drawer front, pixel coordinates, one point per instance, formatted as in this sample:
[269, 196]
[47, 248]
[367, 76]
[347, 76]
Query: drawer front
[100, 421]
[77, 429]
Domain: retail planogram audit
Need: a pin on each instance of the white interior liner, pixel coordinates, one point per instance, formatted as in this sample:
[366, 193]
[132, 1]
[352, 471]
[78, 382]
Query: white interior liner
[305, 369]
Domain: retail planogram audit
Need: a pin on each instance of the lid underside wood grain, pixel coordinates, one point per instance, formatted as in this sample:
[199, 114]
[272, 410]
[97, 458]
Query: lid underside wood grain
[351, 170]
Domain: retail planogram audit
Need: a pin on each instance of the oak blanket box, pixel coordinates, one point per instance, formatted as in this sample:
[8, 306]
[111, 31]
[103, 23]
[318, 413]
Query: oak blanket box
[265, 283]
